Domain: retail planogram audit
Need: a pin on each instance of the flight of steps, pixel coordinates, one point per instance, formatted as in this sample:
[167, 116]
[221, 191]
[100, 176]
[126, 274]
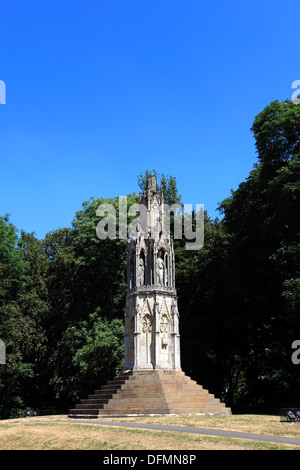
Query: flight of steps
[145, 392]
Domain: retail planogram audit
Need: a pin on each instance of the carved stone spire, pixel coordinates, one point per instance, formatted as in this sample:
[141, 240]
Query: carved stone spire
[151, 318]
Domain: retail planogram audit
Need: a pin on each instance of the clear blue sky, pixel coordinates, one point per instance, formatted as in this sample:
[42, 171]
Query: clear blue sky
[98, 91]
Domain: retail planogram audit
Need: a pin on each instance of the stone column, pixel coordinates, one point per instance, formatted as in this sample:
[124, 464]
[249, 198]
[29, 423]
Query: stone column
[173, 270]
[176, 339]
[126, 342]
[154, 266]
[156, 334]
[137, 256]
[137, 337]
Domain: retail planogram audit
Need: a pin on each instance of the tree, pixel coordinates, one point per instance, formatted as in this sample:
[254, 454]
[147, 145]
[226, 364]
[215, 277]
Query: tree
[276, 132]
[165, 184]
[100, 279]
[86, 275]
[208, 325]
[18, 326]
[102, 350]
[239, 295]
[262, 218]
[13, 267]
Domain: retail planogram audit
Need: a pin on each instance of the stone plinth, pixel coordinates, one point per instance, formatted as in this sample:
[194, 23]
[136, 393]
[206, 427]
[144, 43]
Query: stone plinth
[149, 392]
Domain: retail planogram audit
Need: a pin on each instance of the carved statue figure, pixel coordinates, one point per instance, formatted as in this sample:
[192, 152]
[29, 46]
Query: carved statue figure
[160, 270]
[141, 272]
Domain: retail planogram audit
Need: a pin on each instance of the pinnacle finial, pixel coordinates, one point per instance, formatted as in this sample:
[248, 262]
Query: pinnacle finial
[151, 183]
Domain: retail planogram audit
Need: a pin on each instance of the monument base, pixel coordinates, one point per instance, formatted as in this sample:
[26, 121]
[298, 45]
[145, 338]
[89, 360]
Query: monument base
[149, 392]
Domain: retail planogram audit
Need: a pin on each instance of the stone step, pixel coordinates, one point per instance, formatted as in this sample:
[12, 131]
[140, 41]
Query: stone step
[92, 413]
[91, 401]
[117, 381]
[89, 406]
[118, 410]
[173, 400]
[170, 384]
[165, 411]
[160, 403]
[138, 411]
[170, 395]
[136, 385]
[107, 388]
[158, 387]
[100, 396]
[80, 411]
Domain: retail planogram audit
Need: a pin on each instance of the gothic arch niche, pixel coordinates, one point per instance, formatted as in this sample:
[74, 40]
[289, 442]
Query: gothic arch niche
[160, 267]
[165, 339]
[142, 268]
[132, 275]
[152, 267]
[147, 341]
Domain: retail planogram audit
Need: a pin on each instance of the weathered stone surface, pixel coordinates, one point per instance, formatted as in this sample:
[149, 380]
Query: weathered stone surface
[152, 338]
[150, 392]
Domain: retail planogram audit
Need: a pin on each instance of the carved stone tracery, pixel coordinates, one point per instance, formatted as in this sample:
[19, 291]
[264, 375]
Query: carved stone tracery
[151, 296]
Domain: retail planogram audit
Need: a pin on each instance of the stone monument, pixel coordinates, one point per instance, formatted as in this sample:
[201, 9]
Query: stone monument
[152, 381]
[151, 315]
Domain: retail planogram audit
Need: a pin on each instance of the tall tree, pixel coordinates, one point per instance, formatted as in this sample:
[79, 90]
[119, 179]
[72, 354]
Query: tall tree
[87, 279]
[18, 325]
[262, 217]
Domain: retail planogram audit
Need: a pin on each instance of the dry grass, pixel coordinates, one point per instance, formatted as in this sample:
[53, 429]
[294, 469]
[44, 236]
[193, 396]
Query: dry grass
[262, 424]
[43, 433]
